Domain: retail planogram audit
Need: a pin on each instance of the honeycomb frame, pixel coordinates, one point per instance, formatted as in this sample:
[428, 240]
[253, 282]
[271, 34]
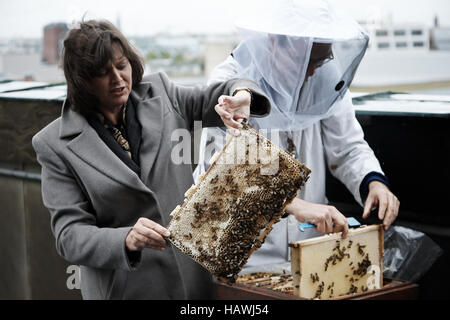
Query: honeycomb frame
[226, 216]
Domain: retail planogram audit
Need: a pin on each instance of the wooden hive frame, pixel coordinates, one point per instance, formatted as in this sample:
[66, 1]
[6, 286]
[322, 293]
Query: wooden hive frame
[328, 266]
[227, 215]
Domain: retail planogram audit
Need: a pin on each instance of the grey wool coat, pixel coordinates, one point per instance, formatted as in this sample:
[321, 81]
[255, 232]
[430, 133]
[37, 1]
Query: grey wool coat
[94, 198]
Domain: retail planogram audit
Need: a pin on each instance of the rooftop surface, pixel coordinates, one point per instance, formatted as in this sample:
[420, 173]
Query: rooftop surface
[381, 103]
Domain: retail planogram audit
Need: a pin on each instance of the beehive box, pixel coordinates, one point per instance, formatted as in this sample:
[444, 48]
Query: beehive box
[392, 289]
[329, 266]
[226, 216]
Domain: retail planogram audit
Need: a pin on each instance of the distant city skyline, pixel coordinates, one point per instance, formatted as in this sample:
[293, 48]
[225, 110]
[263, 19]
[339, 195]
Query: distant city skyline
[27, 18]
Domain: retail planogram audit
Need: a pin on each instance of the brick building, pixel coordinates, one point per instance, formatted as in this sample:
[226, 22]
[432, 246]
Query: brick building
[54, 35]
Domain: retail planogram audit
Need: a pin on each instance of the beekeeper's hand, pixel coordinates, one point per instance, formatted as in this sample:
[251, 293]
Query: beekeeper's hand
[326, 218]
[388, 204]
[234, 109]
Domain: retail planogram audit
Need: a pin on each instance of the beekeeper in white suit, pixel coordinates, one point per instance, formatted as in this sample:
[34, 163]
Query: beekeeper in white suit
[304, 54]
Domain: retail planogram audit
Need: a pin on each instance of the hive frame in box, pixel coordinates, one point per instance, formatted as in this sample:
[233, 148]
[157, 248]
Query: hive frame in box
[336, 256]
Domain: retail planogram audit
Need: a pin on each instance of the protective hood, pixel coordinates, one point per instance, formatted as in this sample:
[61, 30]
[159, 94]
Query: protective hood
[303, 54]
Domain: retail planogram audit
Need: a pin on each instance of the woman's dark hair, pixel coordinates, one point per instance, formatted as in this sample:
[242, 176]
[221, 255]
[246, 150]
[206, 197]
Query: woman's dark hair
[87, 49]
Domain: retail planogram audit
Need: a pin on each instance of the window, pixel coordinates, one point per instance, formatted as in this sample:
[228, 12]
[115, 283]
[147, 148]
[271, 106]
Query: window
[383, 45]
[401, 44]
[416, 32]
[418, 44]
[381, 33]
[399, 32]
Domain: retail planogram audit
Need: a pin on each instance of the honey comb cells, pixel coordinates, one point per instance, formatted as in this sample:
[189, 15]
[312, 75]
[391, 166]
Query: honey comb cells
[229, 212]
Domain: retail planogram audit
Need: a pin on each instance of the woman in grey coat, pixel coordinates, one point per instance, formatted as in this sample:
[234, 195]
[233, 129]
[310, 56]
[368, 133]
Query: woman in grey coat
[108, 179]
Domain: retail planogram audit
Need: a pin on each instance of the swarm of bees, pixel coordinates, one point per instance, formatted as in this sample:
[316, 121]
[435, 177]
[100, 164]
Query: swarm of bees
[339, 253]
[226, 216]
[338, 256]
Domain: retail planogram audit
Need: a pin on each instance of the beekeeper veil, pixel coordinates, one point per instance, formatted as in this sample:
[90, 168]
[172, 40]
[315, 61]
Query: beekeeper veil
[303, 54]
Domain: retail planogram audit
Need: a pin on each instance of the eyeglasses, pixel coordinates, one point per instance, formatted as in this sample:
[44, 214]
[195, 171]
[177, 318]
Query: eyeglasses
[321, 61]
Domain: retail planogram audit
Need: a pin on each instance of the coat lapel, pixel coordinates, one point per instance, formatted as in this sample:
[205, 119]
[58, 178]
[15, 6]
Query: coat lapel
[150, 115]
[88, 146]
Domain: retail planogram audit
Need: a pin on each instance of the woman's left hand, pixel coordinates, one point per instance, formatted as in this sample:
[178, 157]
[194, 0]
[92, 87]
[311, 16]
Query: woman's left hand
[234, 109]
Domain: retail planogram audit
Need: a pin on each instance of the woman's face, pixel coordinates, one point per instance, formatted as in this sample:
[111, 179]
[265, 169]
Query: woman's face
[113, 86]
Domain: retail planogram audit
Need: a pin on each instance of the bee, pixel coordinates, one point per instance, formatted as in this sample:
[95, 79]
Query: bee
[195, 226]
[353, 289]
[350, 242]
[360, 249]
[215, 179]
[228, 179]
[188, 236]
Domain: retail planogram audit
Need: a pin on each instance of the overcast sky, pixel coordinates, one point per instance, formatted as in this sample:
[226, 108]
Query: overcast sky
[26, 18]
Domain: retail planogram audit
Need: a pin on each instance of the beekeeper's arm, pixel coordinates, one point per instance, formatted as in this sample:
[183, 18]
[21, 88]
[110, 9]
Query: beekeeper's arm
[352, 161]
[326, 218]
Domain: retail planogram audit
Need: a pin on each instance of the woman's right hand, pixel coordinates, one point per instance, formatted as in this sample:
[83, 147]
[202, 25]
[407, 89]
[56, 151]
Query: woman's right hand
[146, 234]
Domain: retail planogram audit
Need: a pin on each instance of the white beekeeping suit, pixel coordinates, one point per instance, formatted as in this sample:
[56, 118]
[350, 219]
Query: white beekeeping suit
[313, 109]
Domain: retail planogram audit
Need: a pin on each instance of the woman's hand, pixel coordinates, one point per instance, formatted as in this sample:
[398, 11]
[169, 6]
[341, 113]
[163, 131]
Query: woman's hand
[146, 234]
[234, 109]
[388, 204]
[326, 218]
